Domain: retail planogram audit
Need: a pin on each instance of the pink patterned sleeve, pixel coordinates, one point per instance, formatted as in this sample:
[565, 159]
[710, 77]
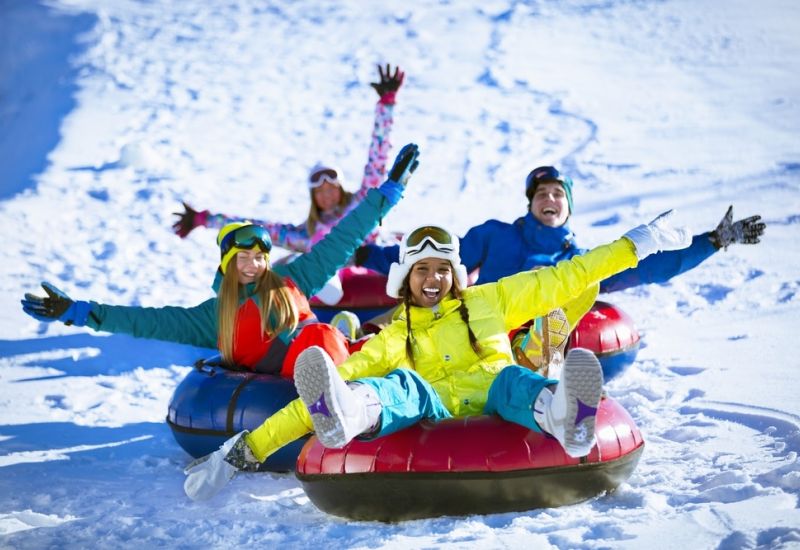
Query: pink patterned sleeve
[286, 235]
[375, 169]
[296, 237]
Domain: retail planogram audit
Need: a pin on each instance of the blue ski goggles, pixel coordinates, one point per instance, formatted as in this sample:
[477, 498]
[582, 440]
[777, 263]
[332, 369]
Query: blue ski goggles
[245, 238]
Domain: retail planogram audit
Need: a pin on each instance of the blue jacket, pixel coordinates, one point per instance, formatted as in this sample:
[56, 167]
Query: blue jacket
[500, 249]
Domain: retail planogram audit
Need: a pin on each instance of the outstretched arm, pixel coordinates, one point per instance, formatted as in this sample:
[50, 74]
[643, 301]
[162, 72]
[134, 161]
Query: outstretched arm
[312, 270]
[474, 246]
[375, 169]
[294, 420]
[196, 326]
[286, 235]
[532, 294]
[661, 267]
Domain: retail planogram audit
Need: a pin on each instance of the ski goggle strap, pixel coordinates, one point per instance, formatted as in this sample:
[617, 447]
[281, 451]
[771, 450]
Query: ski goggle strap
[245, 238]
[323, 175]
[430, 235]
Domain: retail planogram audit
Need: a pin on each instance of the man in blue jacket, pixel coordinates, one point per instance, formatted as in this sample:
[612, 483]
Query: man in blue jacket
[542, 238]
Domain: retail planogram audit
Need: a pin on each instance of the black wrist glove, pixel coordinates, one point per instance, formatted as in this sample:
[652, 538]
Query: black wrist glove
[188, 220]
[389, 84]
[56, 305]
[361, 255]
[405, 164]
[745, 231]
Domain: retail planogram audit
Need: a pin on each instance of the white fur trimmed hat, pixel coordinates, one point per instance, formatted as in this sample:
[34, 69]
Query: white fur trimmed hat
[426, 241]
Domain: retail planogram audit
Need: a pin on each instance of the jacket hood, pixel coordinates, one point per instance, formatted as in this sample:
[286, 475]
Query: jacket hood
[545, 239]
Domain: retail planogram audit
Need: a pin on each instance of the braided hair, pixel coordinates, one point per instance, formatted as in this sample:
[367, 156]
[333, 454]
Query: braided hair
[405, 294]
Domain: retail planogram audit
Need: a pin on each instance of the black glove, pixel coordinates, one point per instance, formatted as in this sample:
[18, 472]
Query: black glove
[188, 220]
[746, 231]
[405, 164]
[57, 305]
[389, 84]
[361, 255]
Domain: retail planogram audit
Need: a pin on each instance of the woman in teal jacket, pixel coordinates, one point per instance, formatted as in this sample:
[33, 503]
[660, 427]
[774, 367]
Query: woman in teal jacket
[260, 319]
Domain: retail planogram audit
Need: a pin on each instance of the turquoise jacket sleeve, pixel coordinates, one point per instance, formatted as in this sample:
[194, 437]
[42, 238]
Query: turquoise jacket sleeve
[310, 271]
[196, 326]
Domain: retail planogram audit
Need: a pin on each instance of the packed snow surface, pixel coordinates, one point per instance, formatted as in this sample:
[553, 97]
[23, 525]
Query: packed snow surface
[112, 112]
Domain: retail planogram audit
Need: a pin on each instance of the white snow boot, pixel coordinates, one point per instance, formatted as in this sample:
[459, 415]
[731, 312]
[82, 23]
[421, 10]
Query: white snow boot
[339, 411]
[207, 475]
[569, 413]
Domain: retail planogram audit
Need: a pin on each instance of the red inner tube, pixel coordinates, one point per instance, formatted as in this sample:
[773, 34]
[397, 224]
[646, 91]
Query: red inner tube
[605, 329]
[472, 465]
[452, 445]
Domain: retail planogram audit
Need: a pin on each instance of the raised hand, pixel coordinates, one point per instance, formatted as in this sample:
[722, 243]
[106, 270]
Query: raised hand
[405, 164]
[56, 306]
[188, 220]
[660, 234]
[389, 84]
[745, 231]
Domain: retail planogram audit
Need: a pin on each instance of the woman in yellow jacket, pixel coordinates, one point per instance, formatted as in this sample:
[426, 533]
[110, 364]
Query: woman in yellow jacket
[445, 354]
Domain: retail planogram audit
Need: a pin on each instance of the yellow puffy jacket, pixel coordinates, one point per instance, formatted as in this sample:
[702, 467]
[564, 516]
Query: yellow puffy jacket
[442, 353]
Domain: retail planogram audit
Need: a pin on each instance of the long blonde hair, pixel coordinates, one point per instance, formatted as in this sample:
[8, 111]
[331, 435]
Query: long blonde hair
[405, 294]
[278, 309]
[346, 197]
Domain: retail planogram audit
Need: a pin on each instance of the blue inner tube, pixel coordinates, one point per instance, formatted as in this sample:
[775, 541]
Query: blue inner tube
[212, 404]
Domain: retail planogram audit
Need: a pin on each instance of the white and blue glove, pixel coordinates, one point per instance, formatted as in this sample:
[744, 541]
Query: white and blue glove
[660, 234]
[57, 306]
[404, 165]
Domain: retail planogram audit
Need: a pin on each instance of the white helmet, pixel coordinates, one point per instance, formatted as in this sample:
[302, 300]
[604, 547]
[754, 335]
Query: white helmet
[426, 241]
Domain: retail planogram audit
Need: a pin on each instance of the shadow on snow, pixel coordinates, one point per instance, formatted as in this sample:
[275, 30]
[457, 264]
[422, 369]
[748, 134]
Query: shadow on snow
[37, 86]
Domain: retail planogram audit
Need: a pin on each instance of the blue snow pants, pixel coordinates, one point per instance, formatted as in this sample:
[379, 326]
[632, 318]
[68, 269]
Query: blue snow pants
[407, 398]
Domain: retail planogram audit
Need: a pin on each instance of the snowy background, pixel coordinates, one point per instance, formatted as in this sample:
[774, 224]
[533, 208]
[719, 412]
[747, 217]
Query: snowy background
[112, 112]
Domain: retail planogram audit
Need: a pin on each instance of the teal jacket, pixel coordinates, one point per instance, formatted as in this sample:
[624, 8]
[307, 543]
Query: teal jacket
[197, 325]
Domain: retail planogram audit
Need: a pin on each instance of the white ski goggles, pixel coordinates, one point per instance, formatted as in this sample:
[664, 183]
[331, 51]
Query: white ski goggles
[323, 175]
[430, 235]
